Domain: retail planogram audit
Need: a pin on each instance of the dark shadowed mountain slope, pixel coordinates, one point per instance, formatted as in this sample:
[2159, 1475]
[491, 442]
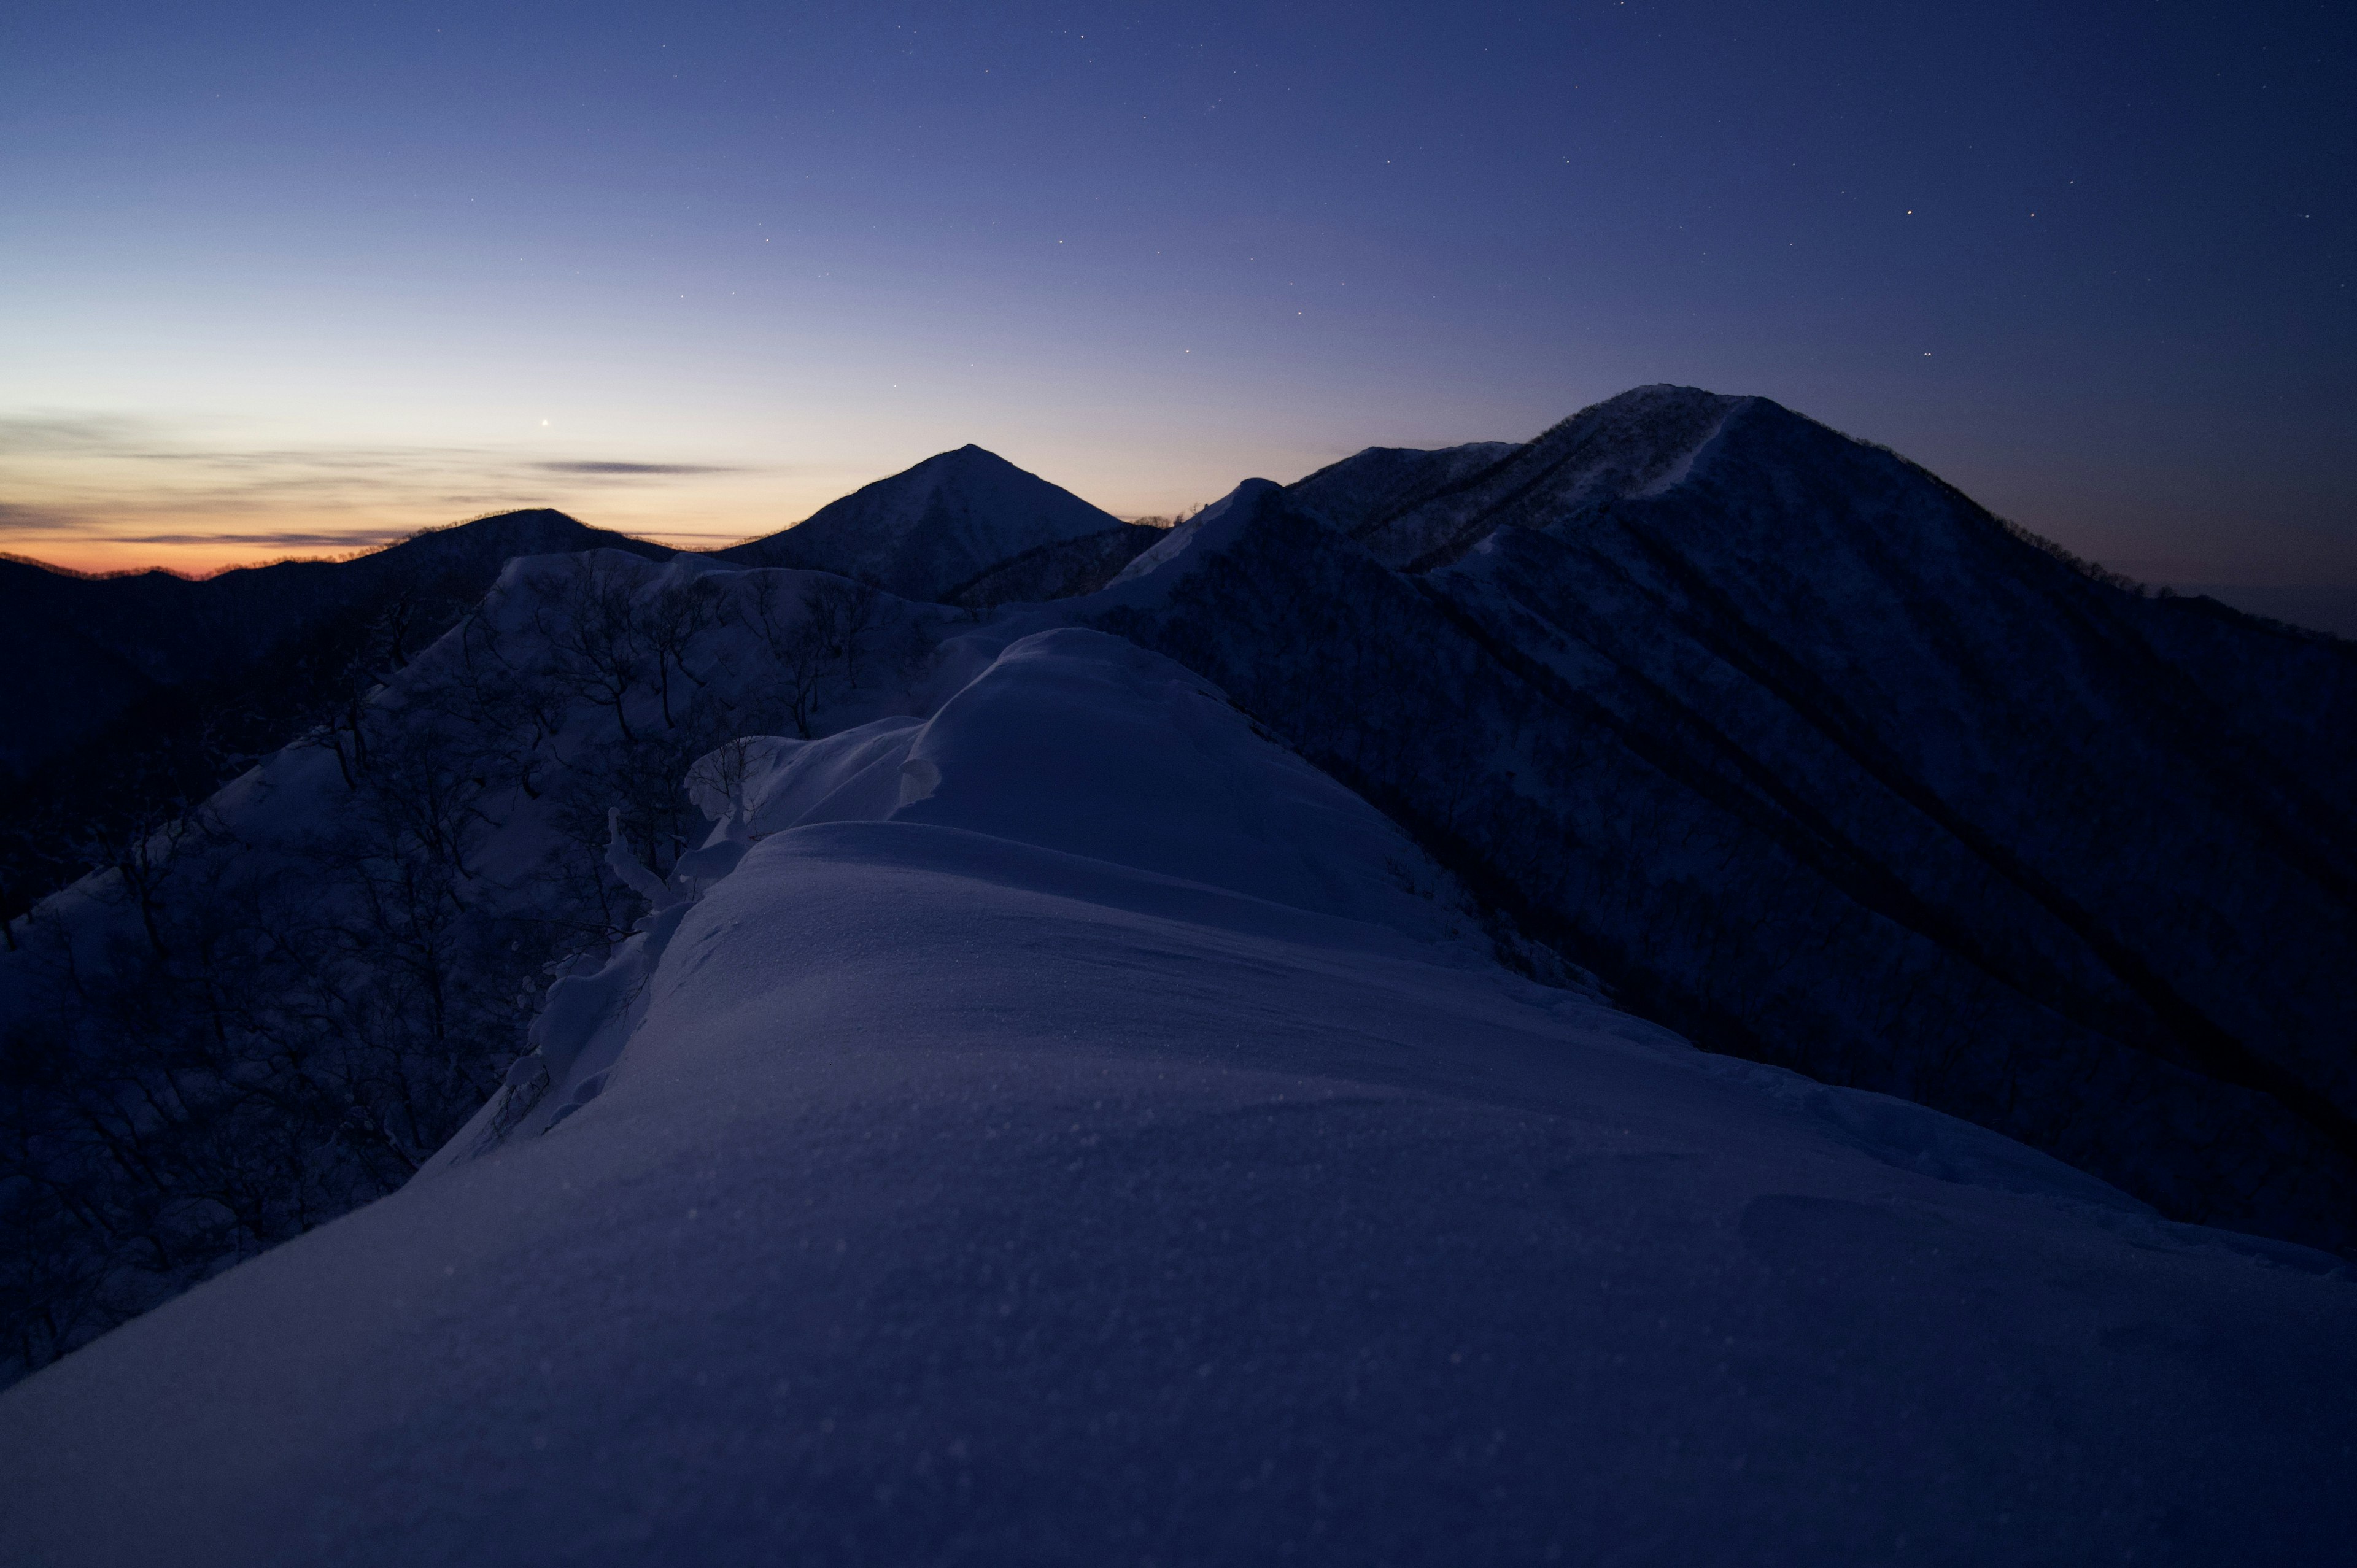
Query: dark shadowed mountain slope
[928, 532]
[256, 1014]
[1384, 481]
[1059, 570]
[87, 646]
[1818, 762]
[140, 695]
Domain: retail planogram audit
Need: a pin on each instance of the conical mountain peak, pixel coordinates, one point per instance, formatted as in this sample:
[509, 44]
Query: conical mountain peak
[926, 530]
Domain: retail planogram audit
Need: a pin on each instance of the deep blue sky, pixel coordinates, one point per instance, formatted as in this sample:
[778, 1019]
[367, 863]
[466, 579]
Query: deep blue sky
[280, 276]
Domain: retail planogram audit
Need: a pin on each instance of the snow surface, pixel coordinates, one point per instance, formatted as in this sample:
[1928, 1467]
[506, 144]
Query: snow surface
[1068, 1129]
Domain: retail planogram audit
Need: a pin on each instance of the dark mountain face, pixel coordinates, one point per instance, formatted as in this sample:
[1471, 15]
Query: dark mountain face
[1059, 570]
[1384, 481]
[935, 529]
[94, 645]
[1817, 761]
[86, 648]
[140, 695]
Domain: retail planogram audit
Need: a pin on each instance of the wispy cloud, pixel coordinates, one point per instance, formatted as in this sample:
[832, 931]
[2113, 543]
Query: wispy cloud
[630, 471]
[72, 432]
[357, 539]
[15, 517]
[145, 482]
[100, 491]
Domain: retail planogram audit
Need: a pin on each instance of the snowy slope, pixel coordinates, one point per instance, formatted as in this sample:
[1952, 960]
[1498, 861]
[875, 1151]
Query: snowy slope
[926, 533]
[1808, 754]
[1413, 514]
[1059, 570]
[1066, 1131]
[273, 1010]
[1384, 481]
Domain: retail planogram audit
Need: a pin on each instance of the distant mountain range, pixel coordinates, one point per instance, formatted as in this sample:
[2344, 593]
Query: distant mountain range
[1777, 738]
[1204, 1064]
[142, 693]
[89, 648]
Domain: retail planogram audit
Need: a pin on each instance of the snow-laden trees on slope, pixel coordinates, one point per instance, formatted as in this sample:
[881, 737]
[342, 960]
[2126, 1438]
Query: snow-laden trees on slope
[275, 1007]
[134, 698]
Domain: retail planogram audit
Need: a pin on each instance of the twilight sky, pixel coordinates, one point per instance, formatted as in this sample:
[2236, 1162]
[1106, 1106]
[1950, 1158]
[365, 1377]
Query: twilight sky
[283, 279]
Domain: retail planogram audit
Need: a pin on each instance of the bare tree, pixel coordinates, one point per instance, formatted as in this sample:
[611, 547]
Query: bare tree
[679, 614]
[512, 714]
[143, 853]
[802, 645]
[849, 610]
[592, 622]
[719, 774]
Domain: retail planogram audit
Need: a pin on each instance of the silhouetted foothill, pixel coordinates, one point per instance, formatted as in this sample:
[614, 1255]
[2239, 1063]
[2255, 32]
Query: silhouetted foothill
[143, 693]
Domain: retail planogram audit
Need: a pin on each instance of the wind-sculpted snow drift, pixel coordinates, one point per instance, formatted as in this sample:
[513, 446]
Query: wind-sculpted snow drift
[1068, 1128]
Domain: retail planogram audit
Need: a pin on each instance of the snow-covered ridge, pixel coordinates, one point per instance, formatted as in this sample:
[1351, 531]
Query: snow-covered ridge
[1153, 772]
[1065, 1110]
[1417, 509]
[993, 1086]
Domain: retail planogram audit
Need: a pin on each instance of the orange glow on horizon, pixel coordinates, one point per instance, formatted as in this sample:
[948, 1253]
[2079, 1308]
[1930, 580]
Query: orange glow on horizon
[99, 555]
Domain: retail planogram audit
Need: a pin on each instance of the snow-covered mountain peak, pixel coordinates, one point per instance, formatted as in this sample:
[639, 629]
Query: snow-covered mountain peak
[1894, 703]
[1416, 509]
[1154, 770]
[1075, 763]
[1643, 442]
[1085, 744]
[925, 532]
